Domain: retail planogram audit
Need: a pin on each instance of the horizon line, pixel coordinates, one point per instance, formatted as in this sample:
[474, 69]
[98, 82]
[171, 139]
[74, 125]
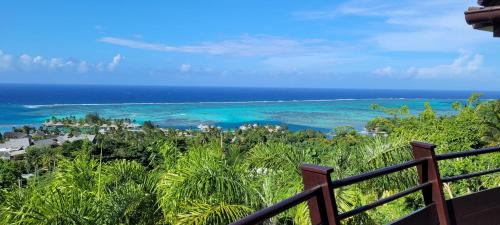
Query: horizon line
[246, 87]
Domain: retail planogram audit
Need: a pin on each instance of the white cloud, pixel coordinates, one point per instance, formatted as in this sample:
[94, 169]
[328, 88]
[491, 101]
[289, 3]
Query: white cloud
[377, 8]
[5, 61]
[275, 53]
[113, 64]
[444, 32]
[363, 8]
[26, 62]
[245, 45]
[185, 68]
[25, 59]
[83, 67]
[411, 25]
[38, 60]
[100, 67]
[348, 10]
[386, 71]
[56, 63]
[465, 64]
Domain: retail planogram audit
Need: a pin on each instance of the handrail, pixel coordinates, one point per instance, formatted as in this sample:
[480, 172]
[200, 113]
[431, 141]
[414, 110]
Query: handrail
[377, 173]
[279, 207]
[323, 209]
[383, 201]
[469, 175]
[473, 152]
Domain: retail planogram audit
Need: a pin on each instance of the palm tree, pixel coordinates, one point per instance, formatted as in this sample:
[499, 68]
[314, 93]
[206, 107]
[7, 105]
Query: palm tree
[203, 188]
[73, 195]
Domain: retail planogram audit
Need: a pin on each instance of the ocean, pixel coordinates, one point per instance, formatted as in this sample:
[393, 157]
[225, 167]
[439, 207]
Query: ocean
[187, 107]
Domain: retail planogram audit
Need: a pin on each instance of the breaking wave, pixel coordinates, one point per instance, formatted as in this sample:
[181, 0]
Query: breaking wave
[192, 103]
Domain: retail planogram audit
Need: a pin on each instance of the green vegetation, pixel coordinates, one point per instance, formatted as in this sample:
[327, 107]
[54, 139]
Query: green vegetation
[191, 177]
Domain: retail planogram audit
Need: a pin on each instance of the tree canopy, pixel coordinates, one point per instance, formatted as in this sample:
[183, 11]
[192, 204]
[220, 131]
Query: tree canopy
[169, 176]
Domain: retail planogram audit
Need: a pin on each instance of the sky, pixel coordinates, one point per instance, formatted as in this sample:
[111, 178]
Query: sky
[376, 44]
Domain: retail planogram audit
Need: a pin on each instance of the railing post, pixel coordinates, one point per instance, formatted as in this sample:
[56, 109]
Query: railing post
[429, 171]
[322, 208]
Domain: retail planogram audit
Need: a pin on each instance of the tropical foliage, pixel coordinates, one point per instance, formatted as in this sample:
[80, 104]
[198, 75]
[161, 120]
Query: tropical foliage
[190, 177]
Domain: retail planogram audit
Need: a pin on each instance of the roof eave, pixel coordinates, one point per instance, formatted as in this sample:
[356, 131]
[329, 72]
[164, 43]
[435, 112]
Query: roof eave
[487, 19]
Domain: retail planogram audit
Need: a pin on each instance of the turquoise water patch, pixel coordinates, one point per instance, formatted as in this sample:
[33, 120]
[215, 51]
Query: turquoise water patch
[320, 115]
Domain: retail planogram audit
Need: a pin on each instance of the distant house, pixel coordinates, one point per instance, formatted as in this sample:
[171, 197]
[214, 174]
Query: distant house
[16, 144]
[204, 127]
[245, 127]
[17, 155]
[15, 148]
[132, 126]
[53, 124]
[207, 127]
[38, 134]
[67, 138]
[45, 143]
[14, 135]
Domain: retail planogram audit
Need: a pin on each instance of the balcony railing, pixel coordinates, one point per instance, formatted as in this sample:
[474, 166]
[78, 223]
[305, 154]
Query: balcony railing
[478, 208]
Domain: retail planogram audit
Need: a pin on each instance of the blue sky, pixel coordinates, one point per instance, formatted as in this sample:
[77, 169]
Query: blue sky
[322, 44]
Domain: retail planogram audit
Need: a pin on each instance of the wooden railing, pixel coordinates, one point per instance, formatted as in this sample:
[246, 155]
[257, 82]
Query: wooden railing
[477, 208]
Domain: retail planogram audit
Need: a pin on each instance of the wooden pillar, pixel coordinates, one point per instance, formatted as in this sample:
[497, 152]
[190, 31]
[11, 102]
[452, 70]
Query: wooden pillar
[496, 29]
[429, 171]
[323, 208]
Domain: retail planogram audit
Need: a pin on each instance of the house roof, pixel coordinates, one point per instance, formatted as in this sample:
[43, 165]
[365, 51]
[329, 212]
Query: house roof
[62, 139]
[487, 3]
[44, 143]
[10, 135]
[16, 144]
[484, 18]
[38, 133]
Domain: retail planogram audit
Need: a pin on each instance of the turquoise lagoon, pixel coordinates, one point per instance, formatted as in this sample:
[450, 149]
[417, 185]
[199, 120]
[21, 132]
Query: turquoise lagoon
[187, 107]
[321, 115]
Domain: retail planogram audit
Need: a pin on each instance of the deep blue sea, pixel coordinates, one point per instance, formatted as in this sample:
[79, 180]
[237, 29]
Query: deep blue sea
[186, 107]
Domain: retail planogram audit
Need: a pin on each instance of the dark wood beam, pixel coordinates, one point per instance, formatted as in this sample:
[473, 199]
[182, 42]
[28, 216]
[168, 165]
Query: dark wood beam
[496, 30]
[488, 2]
